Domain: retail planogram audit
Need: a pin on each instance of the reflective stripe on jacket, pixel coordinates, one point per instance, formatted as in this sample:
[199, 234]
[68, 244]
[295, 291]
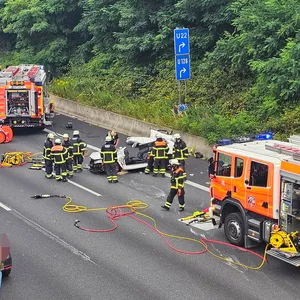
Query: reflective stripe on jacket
[69, 146]
[59, 154]
[108, 154]
[180, 150]
[177, 179]
[47, 149]
[160, 149]
[79, 146]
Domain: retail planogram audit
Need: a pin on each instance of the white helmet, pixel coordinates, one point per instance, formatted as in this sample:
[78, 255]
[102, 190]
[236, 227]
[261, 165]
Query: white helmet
[174, 162]
[177, 136]
[159, 136]
[50, 136]
[57, 142]
[75, 132]
[108, 139]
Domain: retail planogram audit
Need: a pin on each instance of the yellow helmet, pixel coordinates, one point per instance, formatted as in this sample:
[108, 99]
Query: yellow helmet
[75, 132]
[65, 136]
[50, 136]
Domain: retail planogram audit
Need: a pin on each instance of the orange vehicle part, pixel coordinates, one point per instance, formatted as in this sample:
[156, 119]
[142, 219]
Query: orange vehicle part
[2, 103]
[2, 137]
[6, 134]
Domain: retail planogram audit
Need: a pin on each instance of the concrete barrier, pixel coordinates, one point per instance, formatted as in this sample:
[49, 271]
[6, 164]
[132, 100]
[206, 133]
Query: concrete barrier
[122, 124]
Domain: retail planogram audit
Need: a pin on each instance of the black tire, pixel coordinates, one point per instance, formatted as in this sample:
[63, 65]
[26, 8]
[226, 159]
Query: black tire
[234, 229]
[6, 273]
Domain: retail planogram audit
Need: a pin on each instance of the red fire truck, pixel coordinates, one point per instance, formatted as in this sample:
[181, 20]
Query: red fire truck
[24, 100]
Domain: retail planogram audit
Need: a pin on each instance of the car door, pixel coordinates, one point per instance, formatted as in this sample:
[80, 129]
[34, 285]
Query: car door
[238, 180]
[259, 187]
[222, 179]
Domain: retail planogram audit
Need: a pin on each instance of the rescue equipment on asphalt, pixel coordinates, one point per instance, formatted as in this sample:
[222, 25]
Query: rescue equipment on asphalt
[10, 159]
[130, 209]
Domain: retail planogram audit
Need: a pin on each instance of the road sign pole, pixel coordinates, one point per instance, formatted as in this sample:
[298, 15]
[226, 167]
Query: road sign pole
[179, 93]
[184, 91]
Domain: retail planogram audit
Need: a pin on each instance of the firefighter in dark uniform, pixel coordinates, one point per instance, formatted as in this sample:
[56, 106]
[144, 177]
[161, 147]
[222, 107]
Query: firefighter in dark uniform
[79, 146]
[47, 155]
[180, 151]
[59, 156]
[160, 152]
[177, 186]
[114, 136]
[109, 159]
[150, 161]
[69, 146]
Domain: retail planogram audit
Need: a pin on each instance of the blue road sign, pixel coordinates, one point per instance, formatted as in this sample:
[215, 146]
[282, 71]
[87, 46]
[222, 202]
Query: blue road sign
[181, 41]
[182, 67]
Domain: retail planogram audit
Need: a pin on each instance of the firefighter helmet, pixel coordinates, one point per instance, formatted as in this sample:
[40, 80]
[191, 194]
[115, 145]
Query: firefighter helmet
[75, 132]
[174, 162]
[65, 136]
[177, 136]
[50, 136]
[159, 136]
[57, 142]
[108, 139]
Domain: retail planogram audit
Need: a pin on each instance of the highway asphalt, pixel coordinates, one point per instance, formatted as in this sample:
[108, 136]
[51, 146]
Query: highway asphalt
[52, 259]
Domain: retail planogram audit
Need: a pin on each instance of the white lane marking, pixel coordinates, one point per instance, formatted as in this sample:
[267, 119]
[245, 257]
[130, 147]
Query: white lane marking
[5, 207]
[58, 240]
[84, 188]
[194, 184]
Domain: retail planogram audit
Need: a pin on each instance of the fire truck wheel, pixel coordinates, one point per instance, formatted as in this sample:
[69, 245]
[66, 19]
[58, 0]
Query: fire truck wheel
[234, 228]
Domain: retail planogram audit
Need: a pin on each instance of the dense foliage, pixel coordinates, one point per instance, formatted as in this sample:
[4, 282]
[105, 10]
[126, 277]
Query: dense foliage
[118, 55]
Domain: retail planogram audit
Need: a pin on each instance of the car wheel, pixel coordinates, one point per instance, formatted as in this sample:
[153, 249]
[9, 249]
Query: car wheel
[234, 229]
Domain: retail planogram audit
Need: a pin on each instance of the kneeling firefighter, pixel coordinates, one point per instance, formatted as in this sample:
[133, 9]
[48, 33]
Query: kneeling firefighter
[177, 186]
[59, 156]
[109, 159]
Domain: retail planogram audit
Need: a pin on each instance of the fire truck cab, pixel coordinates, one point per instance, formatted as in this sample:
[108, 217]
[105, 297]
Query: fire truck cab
[24, 100]
[255, 189]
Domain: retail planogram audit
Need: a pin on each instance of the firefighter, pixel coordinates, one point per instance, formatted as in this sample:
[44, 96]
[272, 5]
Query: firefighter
[79, 146]
[47, 155]
[59, 156]
[109, 159]
[150, 161]
[160, 152]
[69, 146]
[180, 151]
[114, 136]
[177, 186]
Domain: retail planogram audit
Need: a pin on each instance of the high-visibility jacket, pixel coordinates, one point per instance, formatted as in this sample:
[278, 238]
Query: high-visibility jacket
[108, 154]
[177, 179]
[59, 154]
[180, 150]
[160, 149]
[69, 146]
[114, 137]
[47, 149]
[79, 146]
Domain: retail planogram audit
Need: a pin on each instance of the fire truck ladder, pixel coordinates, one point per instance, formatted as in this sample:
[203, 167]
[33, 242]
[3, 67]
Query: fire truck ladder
[286, 149]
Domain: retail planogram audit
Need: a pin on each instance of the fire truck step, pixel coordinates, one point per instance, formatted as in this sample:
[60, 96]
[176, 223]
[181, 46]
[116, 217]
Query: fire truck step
[295, 261]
